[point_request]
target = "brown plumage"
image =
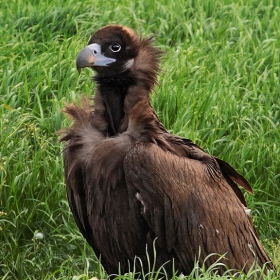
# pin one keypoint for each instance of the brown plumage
(131, 184)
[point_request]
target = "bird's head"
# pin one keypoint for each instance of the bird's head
(112, 49)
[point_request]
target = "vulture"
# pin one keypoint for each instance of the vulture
(141, 196)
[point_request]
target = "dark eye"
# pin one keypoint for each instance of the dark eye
(115, 47)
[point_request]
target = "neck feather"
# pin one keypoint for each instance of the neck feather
(146, 65)
(113, 91)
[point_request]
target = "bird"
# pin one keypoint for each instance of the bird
(140, 195)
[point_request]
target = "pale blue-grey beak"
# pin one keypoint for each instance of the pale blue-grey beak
(91, 56)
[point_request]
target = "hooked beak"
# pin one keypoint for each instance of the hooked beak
(91, 56)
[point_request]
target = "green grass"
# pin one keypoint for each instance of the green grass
(219, 86)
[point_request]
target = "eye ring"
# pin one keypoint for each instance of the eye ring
(115, 47)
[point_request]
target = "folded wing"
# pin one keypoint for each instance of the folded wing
(192, 208)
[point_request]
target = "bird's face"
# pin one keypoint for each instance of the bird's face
(110, 50)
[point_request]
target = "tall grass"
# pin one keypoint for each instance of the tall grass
(219, 87)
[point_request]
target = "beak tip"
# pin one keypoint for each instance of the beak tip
(84, 59)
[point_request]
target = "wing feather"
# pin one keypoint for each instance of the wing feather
(191, 207)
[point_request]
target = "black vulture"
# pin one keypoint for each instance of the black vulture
(133, 187)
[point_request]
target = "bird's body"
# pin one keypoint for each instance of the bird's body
(133, 187)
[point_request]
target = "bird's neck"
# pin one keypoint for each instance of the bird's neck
(113, 91)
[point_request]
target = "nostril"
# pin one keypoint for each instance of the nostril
(95, 49)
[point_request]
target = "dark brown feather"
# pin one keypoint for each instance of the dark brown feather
(131, 185)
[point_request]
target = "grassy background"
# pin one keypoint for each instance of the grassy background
(219, 87)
